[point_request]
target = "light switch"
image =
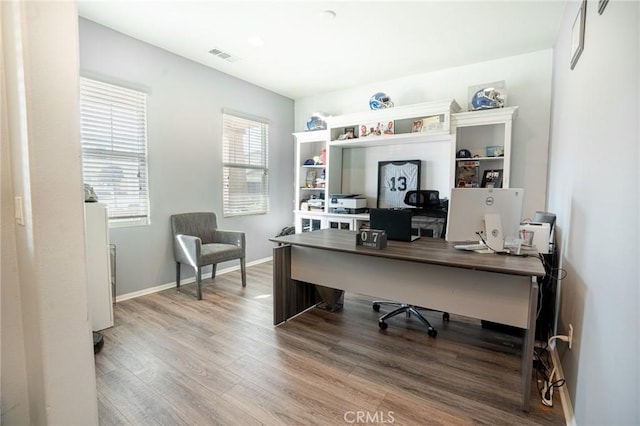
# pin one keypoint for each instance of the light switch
(19, 211)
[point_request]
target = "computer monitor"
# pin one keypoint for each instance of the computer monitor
(468, 208)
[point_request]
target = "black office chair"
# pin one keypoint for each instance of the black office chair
(408, 309)
(429, 204)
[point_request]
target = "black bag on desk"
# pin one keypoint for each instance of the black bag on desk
(287, 230)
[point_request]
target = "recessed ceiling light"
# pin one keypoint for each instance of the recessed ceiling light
(256, 41)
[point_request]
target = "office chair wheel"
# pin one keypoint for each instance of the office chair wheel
(376, 307)
(445, 316)
(432, 332)
(383, 325)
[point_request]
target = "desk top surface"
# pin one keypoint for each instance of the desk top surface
(425, 250)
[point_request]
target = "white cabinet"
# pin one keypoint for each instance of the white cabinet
(309, 221)
(313, 221)
(481, 132)
(98, 266)
(349, 222)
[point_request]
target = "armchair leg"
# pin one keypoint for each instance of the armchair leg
(178, 276)
(199, 282)
(243, 271)
(213, 270)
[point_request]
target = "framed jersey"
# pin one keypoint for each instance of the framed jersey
(395, 178)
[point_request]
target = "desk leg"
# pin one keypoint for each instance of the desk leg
(290, 297)
(527, 346)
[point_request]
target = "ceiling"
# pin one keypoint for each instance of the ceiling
(305, 52)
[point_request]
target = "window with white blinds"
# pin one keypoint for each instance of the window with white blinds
(113, 126)
(245, 165)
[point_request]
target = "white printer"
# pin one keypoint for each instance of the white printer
(542, 236)
(347, 203)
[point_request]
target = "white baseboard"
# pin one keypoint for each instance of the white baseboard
(162, 287)
(567, 407)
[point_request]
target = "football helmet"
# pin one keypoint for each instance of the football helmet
(380, 100)
(317, 121)
(487, 98)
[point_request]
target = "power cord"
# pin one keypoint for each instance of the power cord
(547, 381)
(542, 364)
(479, 234)
(551, 271)
(546, 394)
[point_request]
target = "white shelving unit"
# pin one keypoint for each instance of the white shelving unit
(474, 131)
(309, 144)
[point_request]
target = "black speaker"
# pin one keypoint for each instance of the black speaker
(425, 199)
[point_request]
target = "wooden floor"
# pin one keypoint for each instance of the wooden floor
(173, 360)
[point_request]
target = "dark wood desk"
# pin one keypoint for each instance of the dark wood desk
(427, 272)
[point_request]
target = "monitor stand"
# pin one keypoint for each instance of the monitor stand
(493, 234)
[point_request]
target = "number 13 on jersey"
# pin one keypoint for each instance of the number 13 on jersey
(395, 178)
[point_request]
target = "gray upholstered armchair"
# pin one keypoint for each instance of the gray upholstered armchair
(198, 242)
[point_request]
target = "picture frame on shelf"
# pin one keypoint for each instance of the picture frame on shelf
(429, 124)
(577, 34)
(377, 128)
(395, 178)
(467, 173)
(492, 178)
(310, 180)
(433, 123)
(350, 132)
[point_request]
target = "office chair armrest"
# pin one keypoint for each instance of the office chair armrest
(230, 237)
(188, 249)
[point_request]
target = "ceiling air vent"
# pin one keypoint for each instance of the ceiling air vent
(223, 55)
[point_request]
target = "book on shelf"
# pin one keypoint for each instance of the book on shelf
(468, 174)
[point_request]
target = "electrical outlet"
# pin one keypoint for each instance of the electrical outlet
(570, 335)
(18, 210)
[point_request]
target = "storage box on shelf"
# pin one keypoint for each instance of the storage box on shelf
(487, 136)
(419, 123)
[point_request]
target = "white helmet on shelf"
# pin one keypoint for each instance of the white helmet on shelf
(317, 121)
(487, 98)
(380, 100)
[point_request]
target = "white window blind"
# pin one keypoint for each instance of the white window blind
(245, 165)
(113, 126)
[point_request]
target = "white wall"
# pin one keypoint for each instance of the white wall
(593, 188)
(47, 372)
(528, 81)
(14, 408)
(185, 151)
